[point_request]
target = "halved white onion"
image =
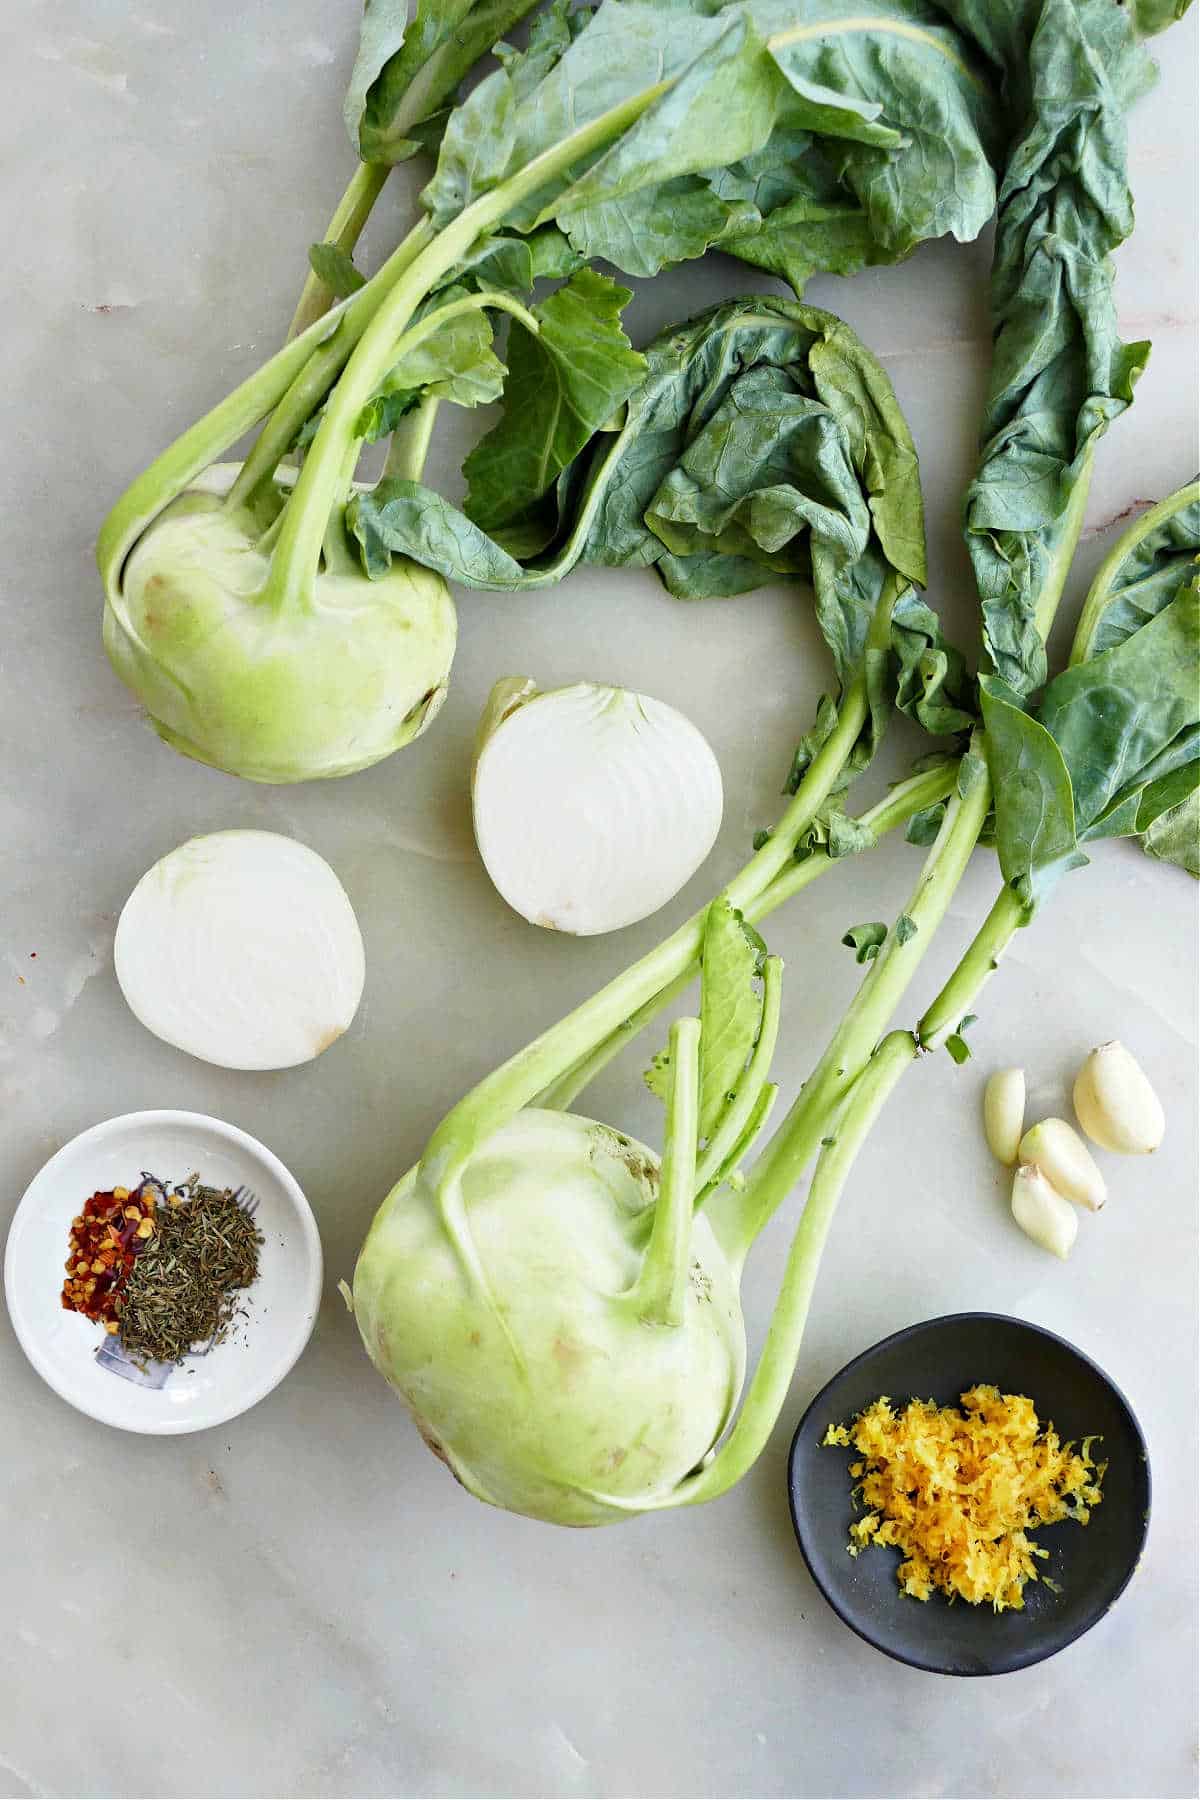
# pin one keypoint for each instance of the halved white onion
(593, 805)
(242, 949)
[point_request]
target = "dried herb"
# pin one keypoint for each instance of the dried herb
(183, 1291)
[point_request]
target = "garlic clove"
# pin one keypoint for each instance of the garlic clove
(1115, 1103)
(1066, 1162)
(1042, 1213)
(1004, 1113)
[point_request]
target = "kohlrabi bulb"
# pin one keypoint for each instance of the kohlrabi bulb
(274, 693)
(547, 1394)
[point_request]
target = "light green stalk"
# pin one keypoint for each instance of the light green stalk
(410, 442)
(329, 341)
(772, 1377)
(660, 1291)
(296, 559)
(908, 797)
(344, 231)
(795, 1141)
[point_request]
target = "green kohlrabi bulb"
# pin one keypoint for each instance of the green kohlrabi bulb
(271, 692)
(533, 1376)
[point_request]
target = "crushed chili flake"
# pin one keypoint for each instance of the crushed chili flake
(107, 1236)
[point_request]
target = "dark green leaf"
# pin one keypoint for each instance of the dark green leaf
(960, 1050)
(848, 836)
(380, 35)
(336, 269)
(1035, 808)
(1117, 717)
(865, 940)
(563, 385)
(402, 518)
(1060, 372)
(415, 72)
(907, 928)
(924, 826)
(1175, 835)
(1157, 556)
(971, 771)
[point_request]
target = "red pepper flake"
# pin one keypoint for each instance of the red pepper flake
(107, 1236)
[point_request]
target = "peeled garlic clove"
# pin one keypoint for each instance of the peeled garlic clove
(593, 805)
(1115, 1103)
(1042, 1213)
(1066, 1162)
(1004, 1113)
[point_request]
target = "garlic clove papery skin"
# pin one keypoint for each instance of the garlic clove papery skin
(242, 949)
(593, 805)
(1004, 1113)
(1115, 1103)
(1066, 1162)
(1042, 1213)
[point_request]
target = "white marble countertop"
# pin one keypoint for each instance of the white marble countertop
(302, 1602)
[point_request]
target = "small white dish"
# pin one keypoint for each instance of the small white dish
(208, 1388)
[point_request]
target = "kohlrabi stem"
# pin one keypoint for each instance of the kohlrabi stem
(331, 339)
(544, 1062)
(781, 1164)
(908, 797)
(295, 560)
(1098, 593)
(824, 769)
(336, 554)
(740, 1109)
(1007, 916)
(783, 1161)
(753, 1128)
(314, 380)
(659, 1294)
(410, 442)
(343, 230)
(558, 1095)
(777, 1365)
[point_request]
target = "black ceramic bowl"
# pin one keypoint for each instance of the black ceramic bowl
(1091, 1564)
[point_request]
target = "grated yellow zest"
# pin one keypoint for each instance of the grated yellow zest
(960, 1491)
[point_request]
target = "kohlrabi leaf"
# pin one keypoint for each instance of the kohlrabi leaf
(1175, 835)
(658, 1076)
(711, 92)
(1129, 717)
(1060, 372)
(906, 106)
(847, 836)
(1151, 16)
(1148, 566)
(924, 826)
(456, 362)
(515, 263)
(405, 72)
(730, 1008)
(380, 36)
(866, 941)
(335, 267)
(562, 386)
(402, 518)
(1035, 805)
